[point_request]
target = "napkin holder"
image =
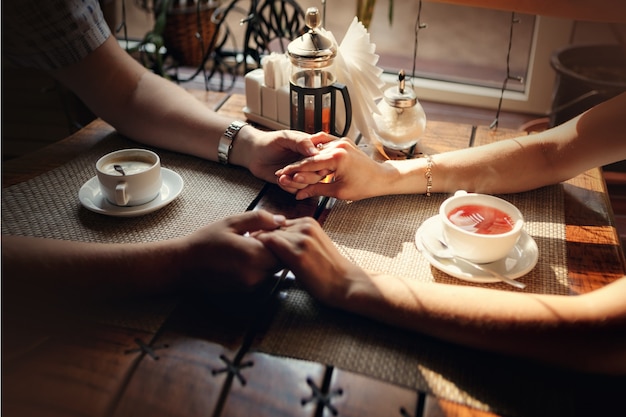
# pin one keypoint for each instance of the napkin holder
(266, 105)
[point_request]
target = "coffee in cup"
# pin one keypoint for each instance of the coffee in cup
(129, 177)
(479, 227)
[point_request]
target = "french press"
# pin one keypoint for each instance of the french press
(313, 84)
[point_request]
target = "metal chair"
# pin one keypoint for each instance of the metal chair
(268, 26)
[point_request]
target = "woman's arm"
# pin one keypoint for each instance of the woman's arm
(586, 332)
(592, 139)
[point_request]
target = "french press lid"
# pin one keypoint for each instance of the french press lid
(312, 49)
(399, 96)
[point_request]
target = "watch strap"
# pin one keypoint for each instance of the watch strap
(225, 144)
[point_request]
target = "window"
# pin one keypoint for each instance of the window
(462, 53)
(461, 56)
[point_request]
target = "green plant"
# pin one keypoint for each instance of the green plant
(154, 38)
(365, 11)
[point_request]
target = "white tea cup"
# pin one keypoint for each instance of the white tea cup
(479, 227)
(129, 177)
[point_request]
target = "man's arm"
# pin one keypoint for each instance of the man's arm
(158, 112)
(215, 258)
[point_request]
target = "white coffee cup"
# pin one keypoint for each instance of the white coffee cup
(129, 177)
(480, 241)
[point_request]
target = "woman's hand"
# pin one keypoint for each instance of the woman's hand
(308, 252)
(355, 175)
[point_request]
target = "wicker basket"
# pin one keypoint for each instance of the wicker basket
(184, 24)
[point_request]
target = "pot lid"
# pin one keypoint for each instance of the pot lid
(399, 96)
(312, 48)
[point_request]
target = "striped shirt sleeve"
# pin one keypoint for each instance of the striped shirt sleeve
(51, 34)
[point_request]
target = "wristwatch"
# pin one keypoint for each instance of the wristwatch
(226, 141)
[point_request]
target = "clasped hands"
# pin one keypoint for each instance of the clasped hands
(242, 251)
(355, 175)
(256, 244)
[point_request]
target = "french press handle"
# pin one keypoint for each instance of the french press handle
(348, 105)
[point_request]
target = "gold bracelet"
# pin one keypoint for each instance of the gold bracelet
(225, 144)
(428, 174)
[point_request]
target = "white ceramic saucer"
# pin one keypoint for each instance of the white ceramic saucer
(92, 199)
(520, 261)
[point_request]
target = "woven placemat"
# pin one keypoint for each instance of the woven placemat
(48, 206)
(379, 234)
(384, 237)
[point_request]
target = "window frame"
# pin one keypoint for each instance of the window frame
(549, 35)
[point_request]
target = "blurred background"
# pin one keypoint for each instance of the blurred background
(460, 61)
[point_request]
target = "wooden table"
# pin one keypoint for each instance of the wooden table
(199, 367)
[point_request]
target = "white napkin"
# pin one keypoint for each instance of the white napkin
(355, 66)
(276, 68)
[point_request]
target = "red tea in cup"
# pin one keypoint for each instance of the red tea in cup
(480, 227)
(481, 219)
